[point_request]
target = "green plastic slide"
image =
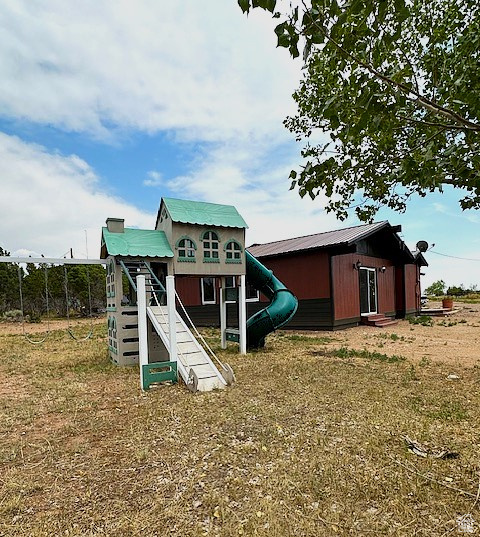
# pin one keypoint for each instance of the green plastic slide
(282, 307)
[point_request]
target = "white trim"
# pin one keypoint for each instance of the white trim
(223, 313)
(172, 318)
(214, 301)
(242, 316)
(374, 270)
(142, 325)
(233, 287)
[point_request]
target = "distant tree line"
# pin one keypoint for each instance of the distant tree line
(439, 288)
(53, 284)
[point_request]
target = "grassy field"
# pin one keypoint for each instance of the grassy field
(308, 442)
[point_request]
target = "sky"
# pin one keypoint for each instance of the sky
(106, 106)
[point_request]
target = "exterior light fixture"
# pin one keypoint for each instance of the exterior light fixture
(383, 269)
(357, 265)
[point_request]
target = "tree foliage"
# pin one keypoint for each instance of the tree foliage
(393, 86)
(52, 284)
(436, 289)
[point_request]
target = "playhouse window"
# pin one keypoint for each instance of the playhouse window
(186, 249)
(208, 291)
(233, 252)
(210, 245)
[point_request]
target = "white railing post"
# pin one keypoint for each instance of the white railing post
(172, 318)
(223, 315)
(242, 315)
(142, 326)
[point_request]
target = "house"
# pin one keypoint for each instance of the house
(339, 277)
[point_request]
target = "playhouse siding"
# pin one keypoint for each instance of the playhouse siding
(346, 291)
(195, 233)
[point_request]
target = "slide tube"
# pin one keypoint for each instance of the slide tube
(282, 307)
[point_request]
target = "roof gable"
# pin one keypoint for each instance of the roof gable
(135, 242)
(202, 213)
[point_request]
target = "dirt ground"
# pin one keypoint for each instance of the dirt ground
(453, 339)
(310, 441)
(16, 328)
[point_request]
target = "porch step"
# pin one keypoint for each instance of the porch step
(378, 320)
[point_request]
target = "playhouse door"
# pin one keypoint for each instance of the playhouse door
(368, 291)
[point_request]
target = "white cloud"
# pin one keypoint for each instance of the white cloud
(154, 179)
(48, 201)
(256, 182)
(200, 68)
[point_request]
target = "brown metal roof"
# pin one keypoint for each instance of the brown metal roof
(338, 237)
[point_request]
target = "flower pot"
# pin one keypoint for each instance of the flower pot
(447, 303)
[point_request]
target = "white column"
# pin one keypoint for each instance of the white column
(242, 315)
(142, 326)
(172, 318)
(223, 314)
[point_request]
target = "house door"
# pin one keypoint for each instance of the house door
(368, 290)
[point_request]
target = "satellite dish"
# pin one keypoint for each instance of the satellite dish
(422, 246)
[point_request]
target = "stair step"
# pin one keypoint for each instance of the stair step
(378, 320)
(387, 322)
(374, 317)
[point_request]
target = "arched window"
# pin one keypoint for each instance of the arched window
(186, 249)
(210, 247)
(233, 252)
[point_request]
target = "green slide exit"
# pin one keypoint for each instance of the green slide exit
(282, 307)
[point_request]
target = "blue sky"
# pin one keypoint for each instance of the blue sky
(107, 106)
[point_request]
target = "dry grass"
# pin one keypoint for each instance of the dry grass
(309, 442)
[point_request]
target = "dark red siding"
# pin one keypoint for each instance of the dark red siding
(188, 290)
(346, 292)
(412, 289)
(306, 274)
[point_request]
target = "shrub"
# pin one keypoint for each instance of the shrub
(13, 315)
(424, 320)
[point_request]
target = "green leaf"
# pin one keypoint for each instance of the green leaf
(244, 5)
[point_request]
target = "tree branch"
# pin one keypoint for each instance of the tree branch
(421, 100)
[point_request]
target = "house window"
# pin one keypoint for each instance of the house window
(208, 290)
(230, 283)
(233, 252)
(251, 294)
(186, 249)
(210, 247)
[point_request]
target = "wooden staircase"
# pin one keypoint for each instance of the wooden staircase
(379, 320)
(194, 365)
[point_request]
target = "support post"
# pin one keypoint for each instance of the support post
(172, 318)
(242, 315)
(142, 326)
(223, 314)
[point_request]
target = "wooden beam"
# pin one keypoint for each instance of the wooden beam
(52, 260)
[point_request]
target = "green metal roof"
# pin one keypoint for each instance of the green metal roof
(137, 242)
(203, 213)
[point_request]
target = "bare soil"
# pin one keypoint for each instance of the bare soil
(453, 339)
(310, 440)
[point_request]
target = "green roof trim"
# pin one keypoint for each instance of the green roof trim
(203, 213)
(137, 242)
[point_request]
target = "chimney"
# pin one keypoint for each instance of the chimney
(115, 225)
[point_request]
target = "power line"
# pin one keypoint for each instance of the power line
(453, 256)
